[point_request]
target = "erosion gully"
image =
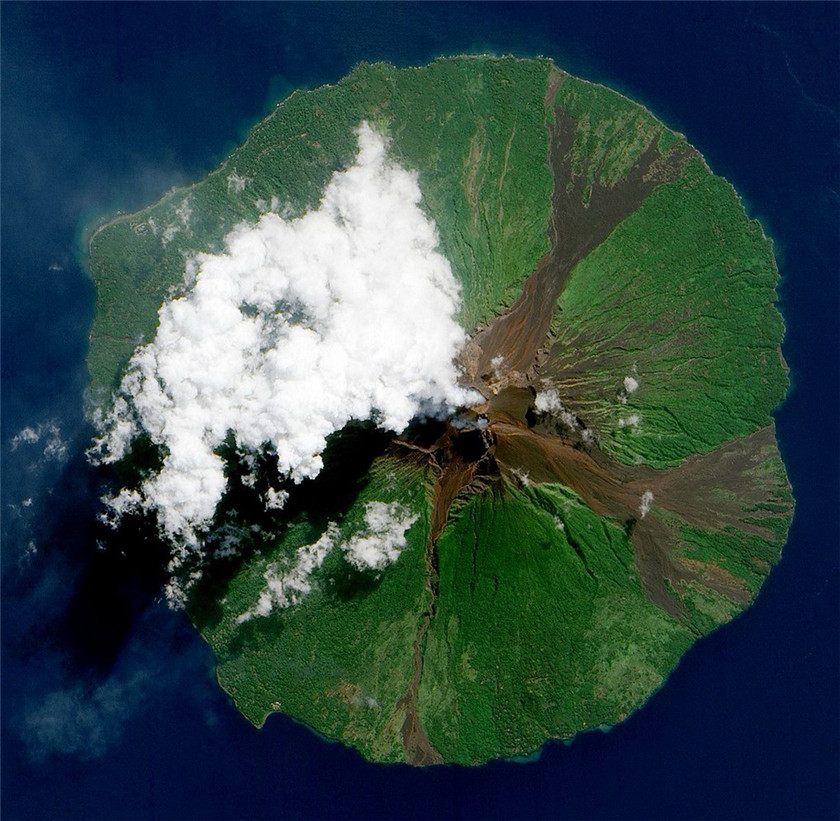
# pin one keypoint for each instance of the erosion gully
(501, 442)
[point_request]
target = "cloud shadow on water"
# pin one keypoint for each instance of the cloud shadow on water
(88, 644)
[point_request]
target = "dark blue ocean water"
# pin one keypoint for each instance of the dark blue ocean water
(109, 709)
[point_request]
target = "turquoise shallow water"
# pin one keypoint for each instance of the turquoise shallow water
(109, 709)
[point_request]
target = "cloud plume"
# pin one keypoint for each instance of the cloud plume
(549, 402)
(74, 722)
(383, 537)
(378, 544)
(347, 312)
(48, 433)
(285, 588)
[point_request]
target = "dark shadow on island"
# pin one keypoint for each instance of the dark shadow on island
(316, 502)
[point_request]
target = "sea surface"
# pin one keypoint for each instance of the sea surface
(109, 706)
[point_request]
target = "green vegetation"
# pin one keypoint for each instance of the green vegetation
(534, 616)
(475, 130)
(341, 658)
(541, 628)
(482, 118)
(678, 298)
(611, 132)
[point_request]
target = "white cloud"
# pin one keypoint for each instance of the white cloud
(184, 212)
(549, 402)
(66, 714)
(126, 501)
(468, 421)
(646, 502)
(378, 544)
(27, 436)
(284, 589)
(523, 476)
(275, 499)
(631, 421)
(629, 385)
(382, 539)
(48, 433)
(236, 183)
(74, 721)
(496, 364)
(347, 312)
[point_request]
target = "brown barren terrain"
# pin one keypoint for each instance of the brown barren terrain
(500, 442)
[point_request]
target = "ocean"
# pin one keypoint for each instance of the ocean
(109, 706)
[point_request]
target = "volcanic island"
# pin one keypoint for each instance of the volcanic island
(612, 492)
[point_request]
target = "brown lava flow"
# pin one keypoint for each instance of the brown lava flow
(463, 463)
(497, 439)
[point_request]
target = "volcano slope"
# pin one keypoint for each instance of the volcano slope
(615, 493)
